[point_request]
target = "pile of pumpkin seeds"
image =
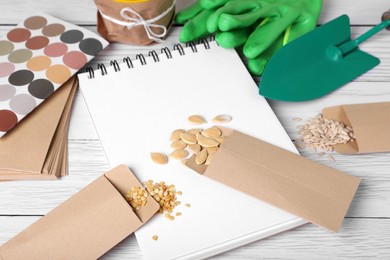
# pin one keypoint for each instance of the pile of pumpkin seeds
(203, 143)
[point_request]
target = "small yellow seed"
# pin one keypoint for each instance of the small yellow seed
(178, 214)
(155, 237)
(188, 205)
(196, 120)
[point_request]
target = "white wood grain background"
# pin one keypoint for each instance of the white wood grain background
(365, 233)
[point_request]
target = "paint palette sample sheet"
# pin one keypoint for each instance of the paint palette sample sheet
(36, 58)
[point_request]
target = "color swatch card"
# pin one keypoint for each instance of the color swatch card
(36, 58)
(145, 102)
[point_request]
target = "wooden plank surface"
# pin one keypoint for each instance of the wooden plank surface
(363, 238)
(83, 12)
(366, 230)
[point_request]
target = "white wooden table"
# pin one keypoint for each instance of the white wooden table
(365, 233)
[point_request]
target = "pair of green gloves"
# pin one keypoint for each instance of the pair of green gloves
(262, 27)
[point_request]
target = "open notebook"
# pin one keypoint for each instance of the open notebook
(136, 105)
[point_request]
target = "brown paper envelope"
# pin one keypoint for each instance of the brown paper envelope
(60, 138)
(310, 190)
(39, 141)
(370, 123)
(25, 148)
(85, 226)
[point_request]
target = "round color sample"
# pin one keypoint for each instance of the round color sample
(90, 46)
(41, 88)
(75, 59)
(53, 29)
(6, 69)
(21, 77)
(18, 35)
(8, 119)
(20, 56)
(58, 73)
(7, 92)
(6, 47)
(22, 104)
(56, 49)
(37, 42)
(72, 36)
(35, 22)
(39, 63)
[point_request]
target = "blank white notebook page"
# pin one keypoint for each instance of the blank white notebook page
(135, 110)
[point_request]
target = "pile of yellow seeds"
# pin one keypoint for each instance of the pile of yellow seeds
(164, 194)
(137, 197)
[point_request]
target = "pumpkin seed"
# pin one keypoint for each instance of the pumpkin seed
(212, 132)
(159, 158)
(175, 136)
(212, 150)
(196, 120)
(180, 144)
(201, 157)
(179, 154)
(206, 141)
(188, 138)
(209, 159)
(195, 148)
(222, 119)
(194, 131)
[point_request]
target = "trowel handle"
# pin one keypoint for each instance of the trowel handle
(351, 45)
(386, 16)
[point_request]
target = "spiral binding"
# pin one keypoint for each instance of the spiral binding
(168, 52)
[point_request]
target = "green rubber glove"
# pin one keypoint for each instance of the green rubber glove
(263, 26)
(279, 22)
(195, 19)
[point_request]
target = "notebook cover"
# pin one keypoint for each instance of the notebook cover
(135, 111)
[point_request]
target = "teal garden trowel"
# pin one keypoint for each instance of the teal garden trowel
(319, 62)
